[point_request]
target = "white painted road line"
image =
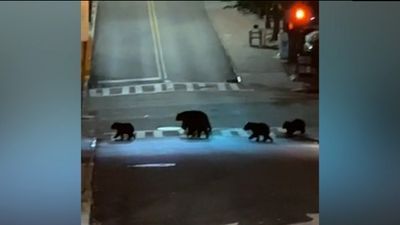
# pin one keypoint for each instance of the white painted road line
(125, 90)
(152, 165)
(153, 34)
(129, 80)
(93, 92)
(106, 91)
(189, 87)
(138, 89)
(157, 88)
(158, 134)
(170, 86)
(221, 86)
(140, 134)
(234, 87)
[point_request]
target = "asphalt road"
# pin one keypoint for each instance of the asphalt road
(143, 41)
(220, 181)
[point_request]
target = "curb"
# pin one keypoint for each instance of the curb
(87, 194)
(275, 132)
(93, 15)
(234, 69)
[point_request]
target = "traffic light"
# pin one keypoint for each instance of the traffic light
(299, 15)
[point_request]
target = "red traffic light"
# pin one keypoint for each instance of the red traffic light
(299, 14)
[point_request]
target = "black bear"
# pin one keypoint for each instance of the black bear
(293, 126)
(194, 123)
(122, 129)
(258, 129)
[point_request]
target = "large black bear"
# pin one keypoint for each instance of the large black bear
(122, 129)
(258, 129)
(293, 126)
(195, 123)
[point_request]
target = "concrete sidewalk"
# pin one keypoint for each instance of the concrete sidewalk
(254, 65)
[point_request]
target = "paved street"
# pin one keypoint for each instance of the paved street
(150, 41)
(220, 181)
(155, 59)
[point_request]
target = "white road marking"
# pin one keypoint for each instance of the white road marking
(189, 87)
(106, 91)
(153, 34)
(158, 134)
(169, 128)
(93, 92)
(234, 87)
(221, 86)
(314, 221)
(225, 132)
(140, 134)
(158, 39)
(129, 80)
(125, 90)
(236, 223)
(157, 88)
(138, 89)
(152, 165)
(170, 86)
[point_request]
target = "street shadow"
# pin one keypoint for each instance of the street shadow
(201, 139)
(298, 137)
(121, 141)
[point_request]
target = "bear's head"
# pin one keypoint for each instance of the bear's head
(248, 126)
(286, 125)
(115, 126)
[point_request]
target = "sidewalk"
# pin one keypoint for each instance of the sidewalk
(254, 65)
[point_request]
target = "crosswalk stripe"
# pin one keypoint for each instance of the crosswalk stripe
(125, 90)
(157, 88)
(138, 89)
(276, 133)
(158, 134)
(106, 91)
(221, 86)
(234, 87)
(169, 86)
(189, 87)
(92, 92)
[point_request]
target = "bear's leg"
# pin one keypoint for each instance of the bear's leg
(265, 137)
(131, 135)
(207, 134)
(258, 138)
(198, 132)
(303, 130)
(190, 132)
(117, 134)
(252, 136)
